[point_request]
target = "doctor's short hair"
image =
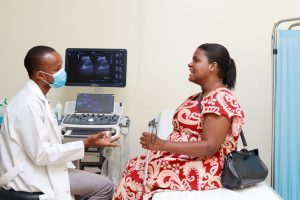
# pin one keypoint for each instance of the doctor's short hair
(34, 58)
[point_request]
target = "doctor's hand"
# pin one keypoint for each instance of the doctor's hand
(151, 141)
(100, 140)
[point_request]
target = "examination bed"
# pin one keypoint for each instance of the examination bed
(257, 192)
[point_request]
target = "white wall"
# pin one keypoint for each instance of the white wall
(63, 24)
(160, 37)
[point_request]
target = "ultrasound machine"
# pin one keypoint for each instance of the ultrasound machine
(95, 112)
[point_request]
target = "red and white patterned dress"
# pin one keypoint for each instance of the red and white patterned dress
(169, 171)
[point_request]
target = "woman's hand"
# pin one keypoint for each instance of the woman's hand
(151, 141)
(100, 140)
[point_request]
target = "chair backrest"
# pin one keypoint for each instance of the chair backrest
(164, 123)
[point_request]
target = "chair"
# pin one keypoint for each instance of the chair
(16, 195)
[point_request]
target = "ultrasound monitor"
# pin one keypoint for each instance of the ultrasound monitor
(94, 103)
(96, 67)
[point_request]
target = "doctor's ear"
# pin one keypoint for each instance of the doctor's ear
(38, 75)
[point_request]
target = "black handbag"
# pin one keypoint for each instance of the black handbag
(243, 168)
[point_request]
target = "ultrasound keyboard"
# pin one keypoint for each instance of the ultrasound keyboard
(91, 119)
(87, 132)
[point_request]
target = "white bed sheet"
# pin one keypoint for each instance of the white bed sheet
(261, 191)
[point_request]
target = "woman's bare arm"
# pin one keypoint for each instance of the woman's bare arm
(215, 129)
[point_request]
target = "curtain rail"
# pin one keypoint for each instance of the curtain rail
(294, 25)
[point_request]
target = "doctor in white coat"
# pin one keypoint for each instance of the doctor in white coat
(32, 156)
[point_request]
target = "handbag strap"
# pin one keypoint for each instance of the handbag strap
(243, 139)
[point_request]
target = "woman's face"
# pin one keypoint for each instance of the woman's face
(199, 67)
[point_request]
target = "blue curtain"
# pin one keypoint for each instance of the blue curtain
(287, 116)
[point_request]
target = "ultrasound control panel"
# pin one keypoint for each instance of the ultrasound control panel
(91, 119)
(82, 133)
(93, 113)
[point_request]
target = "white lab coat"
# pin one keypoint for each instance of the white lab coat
(32, 156)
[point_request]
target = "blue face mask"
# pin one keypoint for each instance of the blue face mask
(59, 77)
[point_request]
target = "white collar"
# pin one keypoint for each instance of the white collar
(36, 89)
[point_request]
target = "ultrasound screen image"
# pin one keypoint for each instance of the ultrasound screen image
(96, 67)
(85, 67)
(90, 66)
(102, 67)
(94, 103)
